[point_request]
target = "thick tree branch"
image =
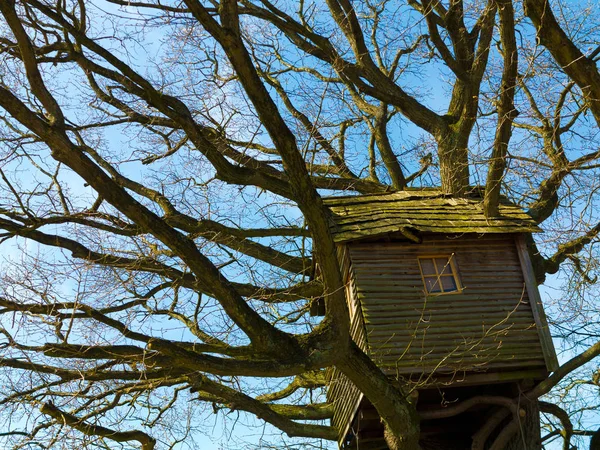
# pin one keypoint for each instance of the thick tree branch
(306, 380)
(63, 150)
(229, 37)
(545, 386)
(567, 250)
(380, 133)
(581, 69)
(563, 416)
(277, 415)
(506, 109)
(62, 417)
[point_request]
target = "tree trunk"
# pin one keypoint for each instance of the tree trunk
(528, 436)
(398, 416)
(397, 442)
(454, 163)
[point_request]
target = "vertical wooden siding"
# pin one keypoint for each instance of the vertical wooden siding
(489, 326)
(345, 396)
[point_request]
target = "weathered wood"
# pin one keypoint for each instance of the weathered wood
(463, 366)
(340, 236)
(404, 340)
(414, 194)
(438, 321)
(463, 359)
(450, 214)
(536, 305)
(489, 325)
(342, 393)
(345, 398)
(478, 378)
(361, 217)
(489, 332)
(450, 308)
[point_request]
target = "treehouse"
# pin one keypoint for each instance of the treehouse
(444, 300)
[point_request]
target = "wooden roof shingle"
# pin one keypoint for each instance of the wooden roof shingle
(427, 210)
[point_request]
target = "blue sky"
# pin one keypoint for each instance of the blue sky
(243, 207)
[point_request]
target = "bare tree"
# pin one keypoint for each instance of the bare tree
(162, 166)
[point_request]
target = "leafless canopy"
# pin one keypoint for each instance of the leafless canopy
(161, 168)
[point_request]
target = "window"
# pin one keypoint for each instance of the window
(439, 274)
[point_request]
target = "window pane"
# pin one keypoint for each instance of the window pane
(449, 284)
(427, 266)
(433, 284)
(443, 265)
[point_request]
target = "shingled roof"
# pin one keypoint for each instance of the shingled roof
(424, 210)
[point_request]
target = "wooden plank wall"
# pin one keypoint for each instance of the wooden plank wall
(489, 326)
(345, 396)
(536, 305)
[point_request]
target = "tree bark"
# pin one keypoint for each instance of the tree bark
(528, 435)
(454, 162)
(506, 109)
(398, 415)
(579, 67)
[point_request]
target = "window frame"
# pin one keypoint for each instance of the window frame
(451, 263)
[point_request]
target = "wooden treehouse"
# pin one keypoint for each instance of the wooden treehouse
(444, 301)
